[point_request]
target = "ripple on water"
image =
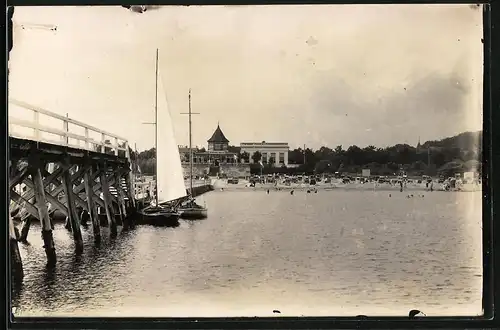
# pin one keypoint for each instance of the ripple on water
(325, 252)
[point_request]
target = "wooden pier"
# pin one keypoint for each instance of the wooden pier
(73, 174)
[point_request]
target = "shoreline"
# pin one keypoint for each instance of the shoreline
(345, 187)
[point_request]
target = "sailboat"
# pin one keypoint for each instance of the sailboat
(189, 209)
(169, 183)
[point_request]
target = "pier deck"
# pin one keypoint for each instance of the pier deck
(78, 176)
(73, 174)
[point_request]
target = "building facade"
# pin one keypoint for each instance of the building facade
(277, 151)
(218, 142)
(217, 152)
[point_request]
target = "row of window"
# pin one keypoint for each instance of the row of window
(266, 157)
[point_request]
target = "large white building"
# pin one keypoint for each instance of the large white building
(276, 150)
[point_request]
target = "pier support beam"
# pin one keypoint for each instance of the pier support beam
(107, 202)
(43, 215)
(130, 188)
(73, 216)
(15, 256)
(117, 211)
(132, 208)
(89, 191)
(25, 230)
(121, 199)
(16, 262)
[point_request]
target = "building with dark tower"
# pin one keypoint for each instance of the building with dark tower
(216, 153)
(218, 142)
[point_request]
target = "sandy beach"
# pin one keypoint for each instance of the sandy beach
(336, 185)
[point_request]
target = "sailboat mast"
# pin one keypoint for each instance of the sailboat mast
(190, 149)
(190, 144)
(156, 127)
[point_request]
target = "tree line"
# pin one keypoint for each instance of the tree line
(445, 157)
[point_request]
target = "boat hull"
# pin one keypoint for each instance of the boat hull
(193, 213)
(158, 217)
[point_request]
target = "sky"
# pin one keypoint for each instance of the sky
(315, 75)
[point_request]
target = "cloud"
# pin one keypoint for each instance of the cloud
(301, 74)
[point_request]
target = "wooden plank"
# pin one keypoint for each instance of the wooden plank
(62, 118)
(121, 196)
(77, 176)
(46, 182)
(98, 200)
(81, 202)
(81, 187)
(73, 215)
(61, 133)
(51, 199)
(96, 187)
(114, 198)
(23, 237)
(107, 204)
(91, 205)
(18, 178)
(121, 200)
(41, 202)
(41, 128)
(48, 240)
(32, 210)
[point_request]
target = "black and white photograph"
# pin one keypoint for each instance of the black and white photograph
(246, 161)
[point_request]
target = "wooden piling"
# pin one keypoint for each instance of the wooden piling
(121, 199)
(107, 202)
(16, 263)
(131, 199)
(117, 211)
(43, 215)
(74, 217)
(67, 223)
(23, 237)
(94, 215)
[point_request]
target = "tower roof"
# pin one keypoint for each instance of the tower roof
(218, 136)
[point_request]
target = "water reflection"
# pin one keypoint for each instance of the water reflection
(317, 254)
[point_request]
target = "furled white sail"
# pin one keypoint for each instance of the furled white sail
(169, 176)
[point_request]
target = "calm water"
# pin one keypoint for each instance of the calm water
(332, 253)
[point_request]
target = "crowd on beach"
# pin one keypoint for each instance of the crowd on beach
(312, 183)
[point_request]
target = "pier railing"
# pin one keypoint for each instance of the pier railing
(108, 143)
